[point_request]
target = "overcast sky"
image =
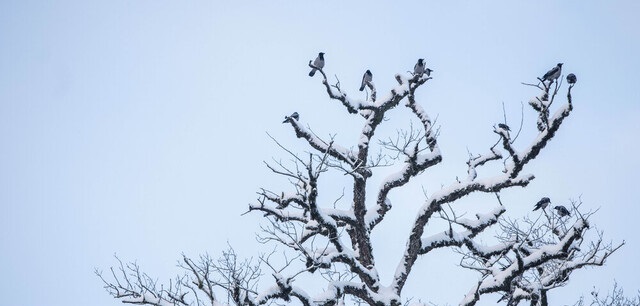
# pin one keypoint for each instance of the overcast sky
(138, 127)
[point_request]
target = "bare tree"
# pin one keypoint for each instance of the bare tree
(334, 246)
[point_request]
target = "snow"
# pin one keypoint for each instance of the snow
(264, 294)
(372, 214)
(364, 141)
(396, 176)
(535, 101)
(518, 292)
(500, 277)
(482, 219)
(146, 297)
(421, 159)
(442, 237)
(386, 295)
(490, 249)
(339, 213)
(301, 292)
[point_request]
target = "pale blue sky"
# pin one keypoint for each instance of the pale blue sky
(137, 127)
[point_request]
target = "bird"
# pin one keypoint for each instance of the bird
(553, 74)
(419, 67)
(562, 211)
(293, 116)
(542, 204)
(366, 78)
(504, 127)
(318, 63)
(571, 79)
(428, 71)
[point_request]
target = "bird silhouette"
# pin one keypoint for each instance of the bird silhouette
(504, 126)
(366, 78)
(318, 63)
(553, 74)
(542, 204)
(571, 79)
(294, 116)
(562, 211)
(418, 68)
(428, 71)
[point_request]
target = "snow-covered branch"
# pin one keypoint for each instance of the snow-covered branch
(472, 227)
(331, 242)
(547, 130)
(496, 183)
(540, 257)
(323, 147)
(415, 163)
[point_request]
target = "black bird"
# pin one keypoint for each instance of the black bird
(553, 74)
(419, 67)
(428, 71)
(562, 211)
(294, 116)
(504, 127)
(571, 79)
(542, 204)
(366, 78)
(319, 63)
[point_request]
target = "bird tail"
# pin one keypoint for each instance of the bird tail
(362, 87)
(312, 72)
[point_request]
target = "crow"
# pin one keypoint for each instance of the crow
(542, 204)
(293, 116)
(366, 78)
(318, 63)
(553, 74)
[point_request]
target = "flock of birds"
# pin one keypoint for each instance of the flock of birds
(560, 210)
(554, 74)
(419, 69)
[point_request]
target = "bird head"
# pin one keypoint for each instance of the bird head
(560, 64)
(368, 71)
(321, 54)
(421, 60)
(430, 70)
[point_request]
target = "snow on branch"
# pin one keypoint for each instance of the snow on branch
(539, 257)
(415, 162)
(547, 127)
(320, 145)
(336, 93)
(473, 184)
